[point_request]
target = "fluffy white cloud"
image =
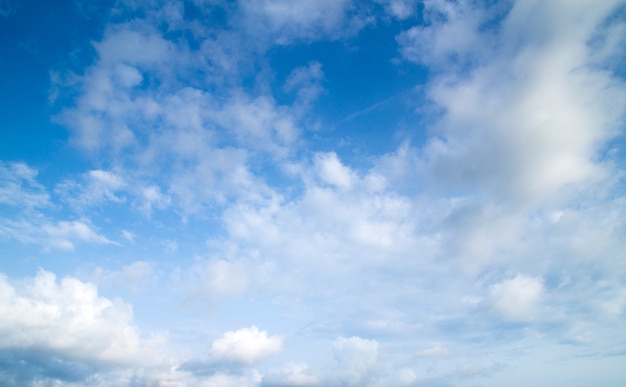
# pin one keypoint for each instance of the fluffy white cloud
(509, 180)
(530, 119)
(517, 298)
(246, 345)
(332, 171)
(67, 319)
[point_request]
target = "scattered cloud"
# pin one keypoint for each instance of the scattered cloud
(517, 298)
(64, 235)
(281, 21)
(492, 235)
(19, 187)
(134, 277)
(356, 359)
(67, 322)
(293, 374)
(246, 345)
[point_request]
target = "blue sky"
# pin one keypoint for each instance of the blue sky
(313, 193)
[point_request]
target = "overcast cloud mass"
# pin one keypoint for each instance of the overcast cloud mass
(313, 193)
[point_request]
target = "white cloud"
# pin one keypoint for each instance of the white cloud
(140, 46)
(64, 234)
(292, 374)
(19, 188)
(128, 235)
(133, 277)
(356, 358)
(332, 171)
(67, 319)
(437, 350)
(97, 187)
(259, 123)
(246, 345)
(283, 21)
(305, 82)
(225, 380)
(450, 34)
(222, 277)
(401, 9)
(530, 119)
(517, 298)
(524, 119)
(151, 197)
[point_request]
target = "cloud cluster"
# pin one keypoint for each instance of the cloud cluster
(498, 228)
(64, 326)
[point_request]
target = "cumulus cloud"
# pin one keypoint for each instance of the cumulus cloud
(332, 171)
(514, 176)
(535, 103)
(517, 298)
(68, 321)
(173, 127)
(246, 345)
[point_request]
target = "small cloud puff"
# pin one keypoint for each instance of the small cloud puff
(246, 345)
(331, 171)
(517, 298)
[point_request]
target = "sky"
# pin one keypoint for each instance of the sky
(312, 193)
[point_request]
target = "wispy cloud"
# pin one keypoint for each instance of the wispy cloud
(256, 251)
